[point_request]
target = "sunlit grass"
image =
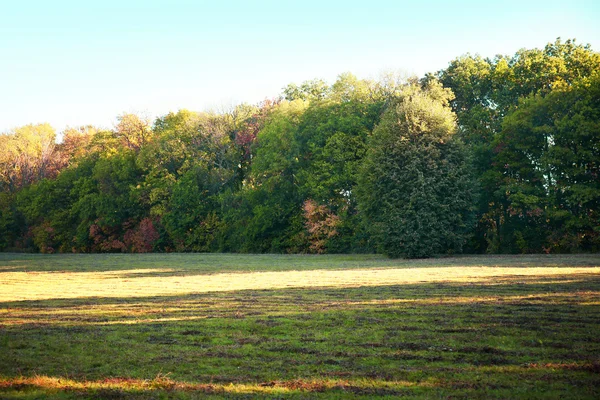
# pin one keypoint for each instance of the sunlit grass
(162, 282)
(299, 326)
(164, 383)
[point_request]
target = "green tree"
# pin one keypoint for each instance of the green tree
(11, 225)
(188, 150)
(487, 91)
(191, 221)
(547, 172)
(265, 215)
(333, 140)
(414, 189)
(106, 204)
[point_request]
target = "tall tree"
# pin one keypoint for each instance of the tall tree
(76, 143)
(414, 188)
(315, 89)
(266, 214)
(333, 137)
(547, 172)
(487, 91)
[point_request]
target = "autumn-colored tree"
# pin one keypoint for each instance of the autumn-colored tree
(76, 143)
(27, 154)
(133, 131)
(142, 238)
(321, 225)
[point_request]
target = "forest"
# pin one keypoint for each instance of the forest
(489, 155)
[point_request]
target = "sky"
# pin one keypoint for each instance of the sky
(73, 63)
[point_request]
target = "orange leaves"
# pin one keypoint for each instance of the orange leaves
(321, 224)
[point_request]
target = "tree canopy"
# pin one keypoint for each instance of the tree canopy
(495, 155)
(415, 188)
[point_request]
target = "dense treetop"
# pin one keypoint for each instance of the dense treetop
(487, 155)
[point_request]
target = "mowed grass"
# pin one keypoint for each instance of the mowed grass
(274, 326)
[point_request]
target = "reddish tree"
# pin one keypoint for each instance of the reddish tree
(142, 238)
(321, 224)
(105, 239)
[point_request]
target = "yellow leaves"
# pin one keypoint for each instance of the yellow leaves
(293, 109)
(426, 111)
(30, 139)
(26, 155)
(133, 130)
(502, 67)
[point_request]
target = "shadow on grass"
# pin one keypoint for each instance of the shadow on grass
(529, 292)
(507, 337)
(187, 264)
(519, 293)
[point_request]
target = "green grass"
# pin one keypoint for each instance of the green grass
(167, 326)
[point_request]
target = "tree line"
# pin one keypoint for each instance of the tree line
(494, 155)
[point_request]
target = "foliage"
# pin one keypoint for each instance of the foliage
(487, 92)
(354, 166)
(142, 238)
(271, 189)
(547, 169)
(321, 225)
(190, 221)
(309, 90)
(415, 190)
(26, 156)
(132, 131)
(10, 226)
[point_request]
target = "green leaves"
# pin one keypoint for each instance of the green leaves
(414, 189)
(510, 110)
(548, 162)
(355, 166)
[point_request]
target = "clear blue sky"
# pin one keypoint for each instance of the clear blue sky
(85, 62)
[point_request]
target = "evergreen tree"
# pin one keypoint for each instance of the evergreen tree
(414, 189)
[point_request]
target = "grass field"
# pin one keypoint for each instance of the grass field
(245, 326)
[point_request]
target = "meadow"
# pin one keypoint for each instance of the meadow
(298, 326)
